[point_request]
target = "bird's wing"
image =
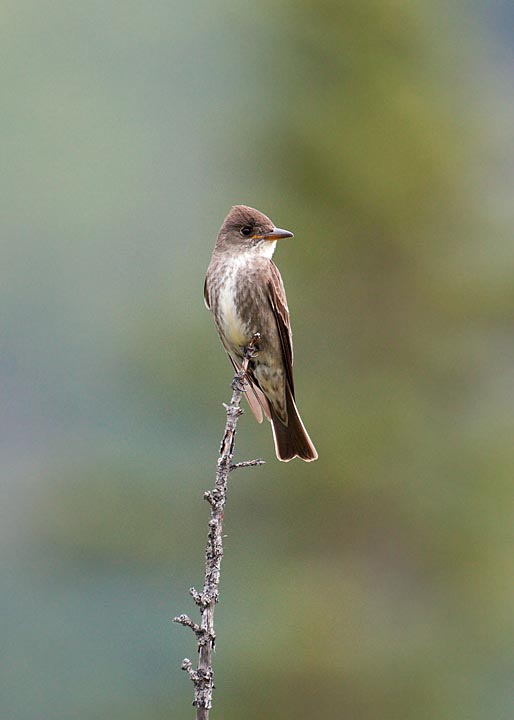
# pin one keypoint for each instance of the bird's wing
(206, 295)
(277, 298)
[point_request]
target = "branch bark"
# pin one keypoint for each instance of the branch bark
(203, 676)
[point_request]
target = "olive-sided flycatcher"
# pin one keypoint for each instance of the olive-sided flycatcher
(245, 293)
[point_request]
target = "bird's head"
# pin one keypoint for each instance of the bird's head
(248, 230)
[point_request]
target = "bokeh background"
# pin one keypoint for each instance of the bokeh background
(376, 583)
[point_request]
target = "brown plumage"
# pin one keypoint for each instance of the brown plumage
(244, 291)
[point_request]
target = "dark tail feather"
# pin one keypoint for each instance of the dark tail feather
(291, 440)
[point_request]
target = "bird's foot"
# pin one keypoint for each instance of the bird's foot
(239, 382)
(252, 349)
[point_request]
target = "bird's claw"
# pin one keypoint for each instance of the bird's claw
(252, 349)
(239, 382)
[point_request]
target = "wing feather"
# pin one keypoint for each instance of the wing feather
(206, 298)
(278, 301)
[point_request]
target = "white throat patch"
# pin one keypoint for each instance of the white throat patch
(267, 248)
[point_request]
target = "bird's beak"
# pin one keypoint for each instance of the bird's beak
(276, 234)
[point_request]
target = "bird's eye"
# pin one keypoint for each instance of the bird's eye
(246, 230)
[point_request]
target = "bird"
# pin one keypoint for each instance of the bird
(244, 291)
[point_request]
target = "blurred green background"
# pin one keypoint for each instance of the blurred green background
(376, 583)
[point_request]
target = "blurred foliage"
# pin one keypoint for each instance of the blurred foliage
(379, 581)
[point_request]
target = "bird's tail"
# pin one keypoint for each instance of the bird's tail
(291, 440)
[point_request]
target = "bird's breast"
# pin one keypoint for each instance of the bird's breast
(233, 320)
(230, 318)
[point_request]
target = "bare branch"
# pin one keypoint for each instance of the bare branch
(203, 676)
(247, 463)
